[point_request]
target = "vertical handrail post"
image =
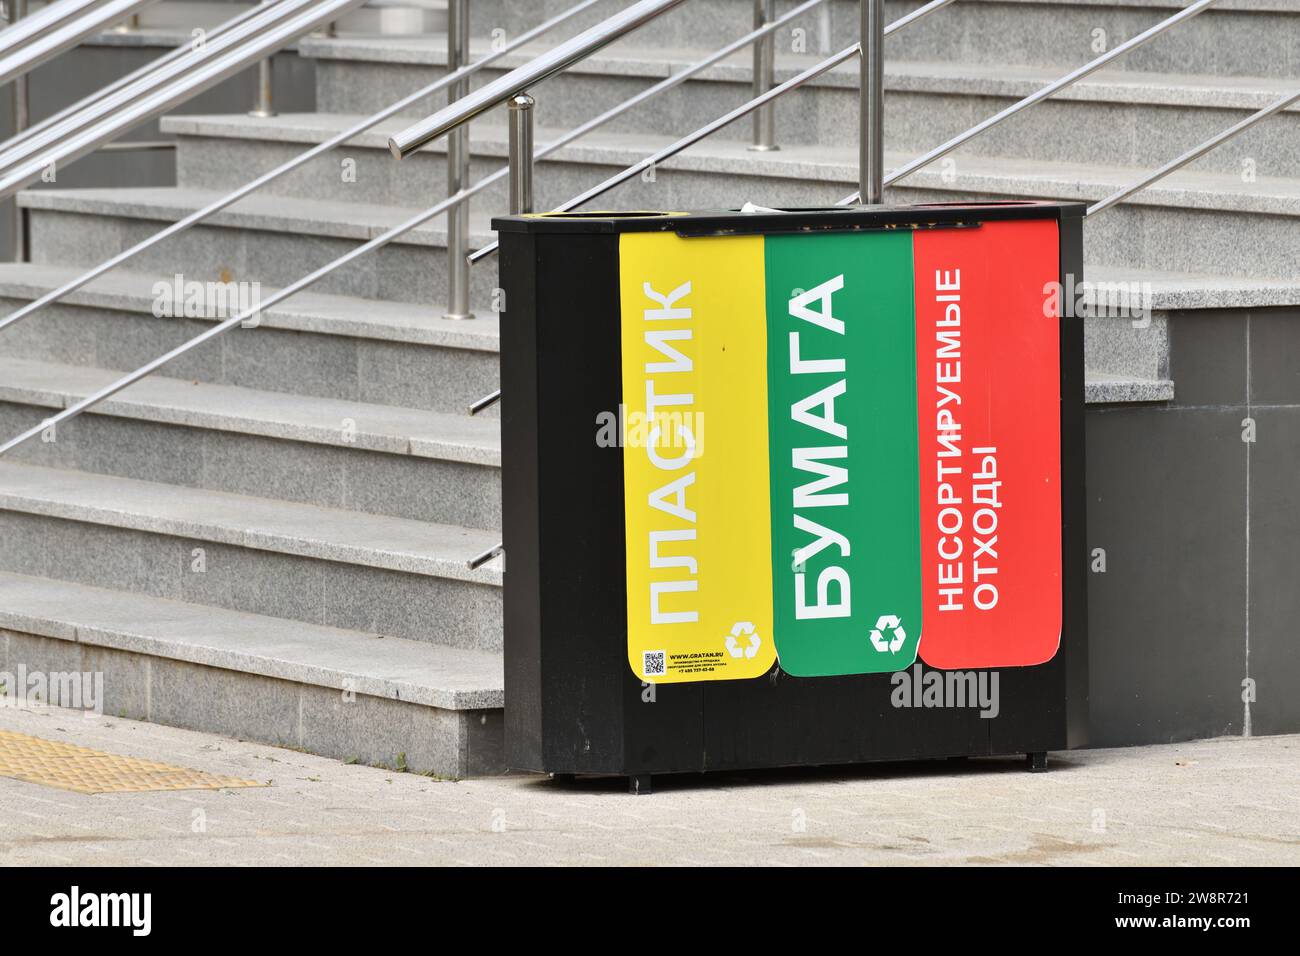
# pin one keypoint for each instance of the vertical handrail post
(458, 168)
(263, 96)
(521, 154)
(764, 77)
(22, 119)
(871, 92)
(129, 25)
(824, 40)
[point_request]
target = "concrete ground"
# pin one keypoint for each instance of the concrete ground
(1228, 801)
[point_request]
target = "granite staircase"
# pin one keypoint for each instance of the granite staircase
(270, 538)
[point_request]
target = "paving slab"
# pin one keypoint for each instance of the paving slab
(1230, 802)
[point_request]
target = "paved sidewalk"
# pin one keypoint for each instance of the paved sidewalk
(1228, 801)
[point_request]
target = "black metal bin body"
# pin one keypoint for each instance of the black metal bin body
(573, 701)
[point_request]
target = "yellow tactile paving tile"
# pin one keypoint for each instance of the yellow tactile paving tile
(69, 767)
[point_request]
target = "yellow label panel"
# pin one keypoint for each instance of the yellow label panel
(696, 490)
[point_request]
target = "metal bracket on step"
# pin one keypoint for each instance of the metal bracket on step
(487, 401)
(479, 560)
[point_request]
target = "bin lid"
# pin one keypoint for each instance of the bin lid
(735, 222)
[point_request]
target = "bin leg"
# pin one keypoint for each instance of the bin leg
(1036, 761)
(638, 783)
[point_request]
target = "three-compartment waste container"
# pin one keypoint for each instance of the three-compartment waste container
(792, 487)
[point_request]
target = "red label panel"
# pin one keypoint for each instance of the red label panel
(989, 411)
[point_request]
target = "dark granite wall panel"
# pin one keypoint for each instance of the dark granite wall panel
(1201, 532)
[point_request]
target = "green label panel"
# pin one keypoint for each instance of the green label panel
(846, 568)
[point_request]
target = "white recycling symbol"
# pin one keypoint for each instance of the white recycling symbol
(888, 622)
(735, 648)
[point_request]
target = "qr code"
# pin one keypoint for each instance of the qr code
(655, 663)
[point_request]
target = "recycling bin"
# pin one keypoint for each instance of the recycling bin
(792, 487)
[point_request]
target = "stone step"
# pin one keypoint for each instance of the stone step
(1115, 115)
(706, 176)
(340, 693)
(1143, 233)
(259, 423)
(332, 346)
(376, 459)
(1112, 118)
(1146, 232)
(271, 240)
(392, 576)
(1129, 359)
(1057, 32)
(1240, 229)
(1185, 292)
(224, 152)
(345, 349)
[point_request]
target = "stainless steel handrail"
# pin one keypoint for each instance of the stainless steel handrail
(463, 106)
(1039, 95)
(267, 17)
(764, 72)
(393, 233)
(139, 145)
(36, 25)
(207, 74)
(1193, 154)
(755, 105)
(521, 185)
(310, 279)
(22, 116)
(667, 152)
(31, 54)
(871, 102)
(172, 55)
(230, 198)
(458, 164)
(547, 64)
(420, 218)
(680, 77)
(668, 83)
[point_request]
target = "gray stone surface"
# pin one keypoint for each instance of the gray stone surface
(1226, 802)
(267, 359)
(1158, 217)
(417, 607)
(126, 679)
(1173, 291)
(271, 240)
(338, 723)
(382, 732)
(1126, 116)
(241, 445)
(258, 523)
(306, 311)
(66, 615)
(380, 428)
(1136, 345)
(1102, 389)
(336, 476)
(973, 31)
(1147, 232)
